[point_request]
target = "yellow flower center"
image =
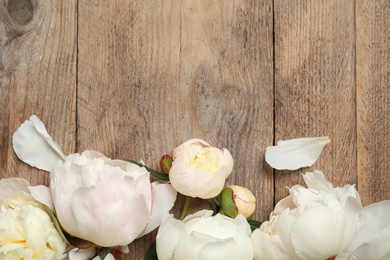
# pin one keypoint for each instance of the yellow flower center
(205, 159)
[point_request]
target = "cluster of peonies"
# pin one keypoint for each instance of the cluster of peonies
(103, 205)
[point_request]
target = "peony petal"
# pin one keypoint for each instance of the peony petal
(373, 219)
(34, 146)
(195, 182)
(13, 185)
(267, 247)
(164, 196)
(81, 254)
(318, 233)
(316, 180)
(168, 236)
(375, 248)
(120, 222)
(296, 153)
(42, 194)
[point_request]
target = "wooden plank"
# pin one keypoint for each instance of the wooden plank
(37, 76)
(153, 74)
(373, 97)
(315, 85)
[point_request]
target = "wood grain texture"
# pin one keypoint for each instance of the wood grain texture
(373, 98)
(154, 74)
(37, 76)
(315, 85)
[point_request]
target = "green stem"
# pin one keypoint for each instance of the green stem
(104, 253)
(185, 208)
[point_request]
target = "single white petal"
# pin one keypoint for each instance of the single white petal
(13, 185)
(81, 254)
(375, 248)
(316, 180)
(318, 233)
(296, 153)
(267, 247)
(42, 194)
(33, 145)
(168, 236)
(372, 220)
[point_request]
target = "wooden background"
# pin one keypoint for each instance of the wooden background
(134, 79)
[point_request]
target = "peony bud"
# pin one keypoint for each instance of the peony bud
(235, 200)
(166, 163)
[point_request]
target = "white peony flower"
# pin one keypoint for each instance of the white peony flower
(204, 237)
(26, 230)
(199, 170)
(107, 202)
(317, 222)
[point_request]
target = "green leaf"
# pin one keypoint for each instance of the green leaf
(158, 175)
(151, 254)
(55, 222)
(254, 224)
(104, 253)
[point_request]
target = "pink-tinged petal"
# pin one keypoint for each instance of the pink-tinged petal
(65, 178)
(296, 153)
(33, 145)
(164, 196)
(267, 247)
(195, 182)
(109, 208)
(81, 254)
(42, 194)
(13, 185)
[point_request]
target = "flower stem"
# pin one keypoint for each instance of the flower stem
(185, 208)
(104, 253)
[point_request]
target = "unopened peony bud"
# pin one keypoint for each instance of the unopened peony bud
(166, 163)
(235, 200)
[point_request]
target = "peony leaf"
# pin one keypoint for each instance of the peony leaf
(254, 224)
(55, 222)
(151, 254)
(158, 175)
(296, 153)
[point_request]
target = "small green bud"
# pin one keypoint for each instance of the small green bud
(166, 163)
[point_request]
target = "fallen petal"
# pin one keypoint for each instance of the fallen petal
(296, 153)
(34, 146)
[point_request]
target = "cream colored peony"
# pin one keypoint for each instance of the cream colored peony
(26, 231)
(200, 170)
(318, 222)
(204, 237)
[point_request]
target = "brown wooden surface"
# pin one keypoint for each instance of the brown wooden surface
(315, 85)
(134, 79)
